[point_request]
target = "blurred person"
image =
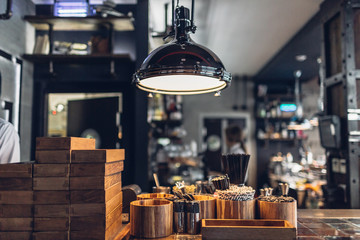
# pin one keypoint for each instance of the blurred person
(234, 140)
(9, 143)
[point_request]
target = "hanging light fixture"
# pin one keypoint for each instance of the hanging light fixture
(182, 67)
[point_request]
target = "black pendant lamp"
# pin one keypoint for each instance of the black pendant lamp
(182, 67)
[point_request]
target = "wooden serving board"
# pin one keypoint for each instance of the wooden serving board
(96, 169)
(98, 156)
(98, 182)
(16, 197)
(94, 209)
(219, 229)
(16, 224)
(51, 183)
(50, 235)
(51, 224)
(17, 170)
(95, 196)
(64, 143)
(12, 184)
(51, 210)
(16, 211)
(54, 156)
(51, 170)
(51, 197)
(15, 235)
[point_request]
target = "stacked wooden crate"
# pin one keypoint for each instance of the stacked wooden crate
(51, 185)
(95, 194)
(16, 198)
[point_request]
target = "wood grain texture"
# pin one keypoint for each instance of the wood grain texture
(154, 196)
(51, 170)
(207, 206)
(284, 211)
(60, 156)
(51, 183)
(98, 156)
(12, 184)
(51, 224)
(51, 197)
(64, 143)
(151, 218)
(227, 209)
(219, 229)
(15, 235)
(50, 236)
(18, 170)
(94, 209)
(98, 182)
(16, 224)
(95, 196)
(16, 211)
(96, 169)
(16, 197)
(51, 210)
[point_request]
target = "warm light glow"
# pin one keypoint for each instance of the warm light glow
(182, 84)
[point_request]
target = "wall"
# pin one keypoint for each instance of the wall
(17, 38)
(195, 105)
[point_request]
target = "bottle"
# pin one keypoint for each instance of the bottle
(193, 217)
(179, 216)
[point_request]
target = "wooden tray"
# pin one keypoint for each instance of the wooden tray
(98, 156)
(51, 224)
(51, 170)
(51, 197)
(16, 211)
(54, 156)
(95, 196)
(18, 170)
(15, 235)
(64, 143)
(51, 183)
(16, 224)
(248, 229)
(51, 210)
(16, 184)
(16, 197)
(98, 182)
(96, 169)
(50, 235)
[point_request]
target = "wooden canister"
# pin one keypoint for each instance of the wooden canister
(154, 196)
(228, 209)
(151, 218)
(207, 206)
(279, 210)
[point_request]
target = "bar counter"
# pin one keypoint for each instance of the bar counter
(313, 224)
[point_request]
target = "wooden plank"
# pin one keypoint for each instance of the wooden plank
(18, 170)
(16, 197)
(64, 143)
(51, 197)
(98, 156)
(51, 170)
(95, 223)
(16, 184)
(95, 196)
(16, 224)
(61, 156)
(51, 183)
(15, 236)
(83, 183)
(93, 209)
(16, 211)
(96, 169)
(50, 235)
(51, 210)
(51, 224)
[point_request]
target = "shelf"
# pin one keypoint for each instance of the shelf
(43, 58)
(90, 23)
(278, 139)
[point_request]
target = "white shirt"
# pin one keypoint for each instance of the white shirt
(236, 149)
(9, 143)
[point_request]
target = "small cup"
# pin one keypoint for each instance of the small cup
(161, 189)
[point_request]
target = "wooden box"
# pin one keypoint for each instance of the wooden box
(15, 235)
(54, 156)
(60, 224)
(11, 184)
(16, 170)
(97, 182)
(51, 197)
(95, 196)
(16, 197)
(16, 224)
(16, 211)
(227, 209)
(51, 170)
(279, 210)
(50, 235)
(98, 156)
(220, 229)
(51, 211)
(64, 143)
(96, 169)
(51, 183)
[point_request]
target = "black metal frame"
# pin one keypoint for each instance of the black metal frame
(8, 13)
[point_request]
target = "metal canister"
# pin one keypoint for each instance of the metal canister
(179, 216)
(193, 217)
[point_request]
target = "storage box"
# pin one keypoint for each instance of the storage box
(98, 156)
(64, 143)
